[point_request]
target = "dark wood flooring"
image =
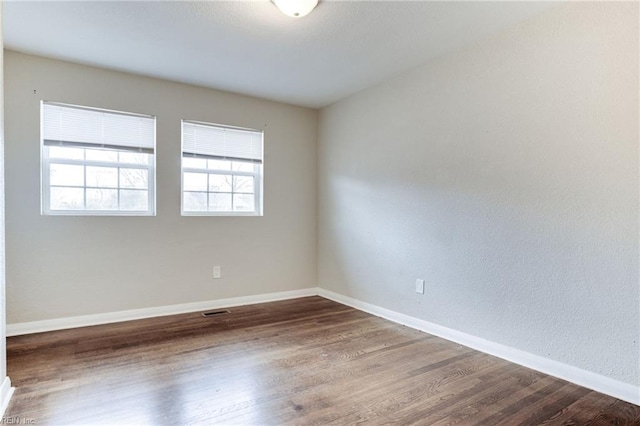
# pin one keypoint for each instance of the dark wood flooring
(307, 361)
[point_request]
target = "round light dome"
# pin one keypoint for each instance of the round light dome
(295, 8)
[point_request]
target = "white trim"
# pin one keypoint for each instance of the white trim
(17, 329)
(599, 383)
(5, 395)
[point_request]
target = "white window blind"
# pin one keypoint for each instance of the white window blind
(68, 125)
(220, 142)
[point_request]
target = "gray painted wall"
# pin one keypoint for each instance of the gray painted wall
(3, 318)
(505, 175)
(67, 266)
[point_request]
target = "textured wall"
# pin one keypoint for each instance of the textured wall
(506, 176)
(64, 266)
(3, 320)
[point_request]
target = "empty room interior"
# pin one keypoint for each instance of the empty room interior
(335, 212)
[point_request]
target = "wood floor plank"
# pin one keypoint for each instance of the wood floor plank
(307, 361)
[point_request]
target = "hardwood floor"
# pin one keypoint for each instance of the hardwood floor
(307, 361)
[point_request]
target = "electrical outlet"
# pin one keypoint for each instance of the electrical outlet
(217, 272)
(420, 286)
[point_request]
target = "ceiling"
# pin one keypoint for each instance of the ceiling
(249, 47)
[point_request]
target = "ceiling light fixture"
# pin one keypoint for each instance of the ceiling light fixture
(295, 8)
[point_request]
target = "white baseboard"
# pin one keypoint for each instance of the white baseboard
(5, 395)
(617, 389)
(17, 329)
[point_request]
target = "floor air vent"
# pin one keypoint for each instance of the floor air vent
(216, 313)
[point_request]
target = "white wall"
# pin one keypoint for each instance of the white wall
(5, 386)
(506, 175)
(66, 266)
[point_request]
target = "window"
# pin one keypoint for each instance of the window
(221, 170)
(97, 162)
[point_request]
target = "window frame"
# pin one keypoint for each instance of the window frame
(46, 161)
(258, 176)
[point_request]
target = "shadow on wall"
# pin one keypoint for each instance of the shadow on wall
(489, 259)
